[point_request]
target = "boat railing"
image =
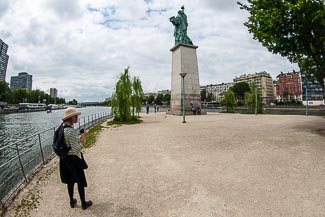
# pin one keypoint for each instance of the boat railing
(19, 161)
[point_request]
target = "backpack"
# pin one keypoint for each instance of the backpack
(59, 146)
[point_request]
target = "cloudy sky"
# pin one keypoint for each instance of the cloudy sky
(81, 46)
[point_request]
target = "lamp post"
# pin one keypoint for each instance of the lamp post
(183, 74)
(306, 99)
(256, 100)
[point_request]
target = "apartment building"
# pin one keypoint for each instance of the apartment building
(289, 86)
(217, 90)
(263, 81)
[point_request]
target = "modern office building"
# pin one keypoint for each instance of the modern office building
(3, 60)
(53, 92)
(23, 80)
(288, 87)
(263, 81)
(312, 91)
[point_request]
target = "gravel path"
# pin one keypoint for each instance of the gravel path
(214, 165)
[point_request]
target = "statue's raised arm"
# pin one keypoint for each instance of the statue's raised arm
(180, 23)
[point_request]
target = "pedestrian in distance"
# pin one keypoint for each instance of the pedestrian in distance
(147, 107)
(72, 165)
(193, 110)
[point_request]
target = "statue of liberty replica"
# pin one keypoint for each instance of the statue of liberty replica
(184, 69)
(180, 23)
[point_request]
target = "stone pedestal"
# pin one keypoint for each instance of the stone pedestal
(185, 60)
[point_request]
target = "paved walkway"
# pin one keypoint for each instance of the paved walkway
(214, 165)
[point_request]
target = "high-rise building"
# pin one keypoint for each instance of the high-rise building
(288, 86)
(23, 80)
(53, 92)
(3, 60)
(263, 81)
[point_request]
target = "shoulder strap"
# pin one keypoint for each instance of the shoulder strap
(64, 126)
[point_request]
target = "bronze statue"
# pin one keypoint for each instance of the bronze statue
(180, 23)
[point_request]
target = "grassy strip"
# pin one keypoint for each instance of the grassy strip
(92, 136)
(134, 120)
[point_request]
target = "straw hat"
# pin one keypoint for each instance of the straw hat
(70, 112)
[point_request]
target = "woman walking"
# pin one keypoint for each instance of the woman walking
(71, 165)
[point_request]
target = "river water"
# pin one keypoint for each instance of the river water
(16, 126)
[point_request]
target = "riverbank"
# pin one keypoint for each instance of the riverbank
(8, 110)
(214, 165)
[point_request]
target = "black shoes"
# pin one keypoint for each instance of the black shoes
(87, 204)
(73, 203)
(83, 206)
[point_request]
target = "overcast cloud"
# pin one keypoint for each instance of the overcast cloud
(81, 46)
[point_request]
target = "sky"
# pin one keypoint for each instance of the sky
(81, 47)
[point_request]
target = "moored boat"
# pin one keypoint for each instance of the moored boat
(31, 107)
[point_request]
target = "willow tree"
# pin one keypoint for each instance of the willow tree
(121, 99)
(128, 93)
(253, 99)
(239, 90)
(137, 95)
(229, 100)
(295, 29)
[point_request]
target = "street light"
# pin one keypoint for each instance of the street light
(306, 99)
(183, 74)
(256, 100)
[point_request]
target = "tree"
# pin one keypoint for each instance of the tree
(73, 102)
(137, 96)
(151, 99)
(250, 99)
(159, 99)
(127, 94)
(240, 89)
(203, 95)
(210, 97)
(121, 101)
(4, 91)
(229, 100)
(295, 29)
(167, 98)
(18, 95)
(33, 96)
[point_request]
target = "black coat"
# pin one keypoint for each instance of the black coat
(71, 170)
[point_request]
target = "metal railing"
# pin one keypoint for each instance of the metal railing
(20, 160)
